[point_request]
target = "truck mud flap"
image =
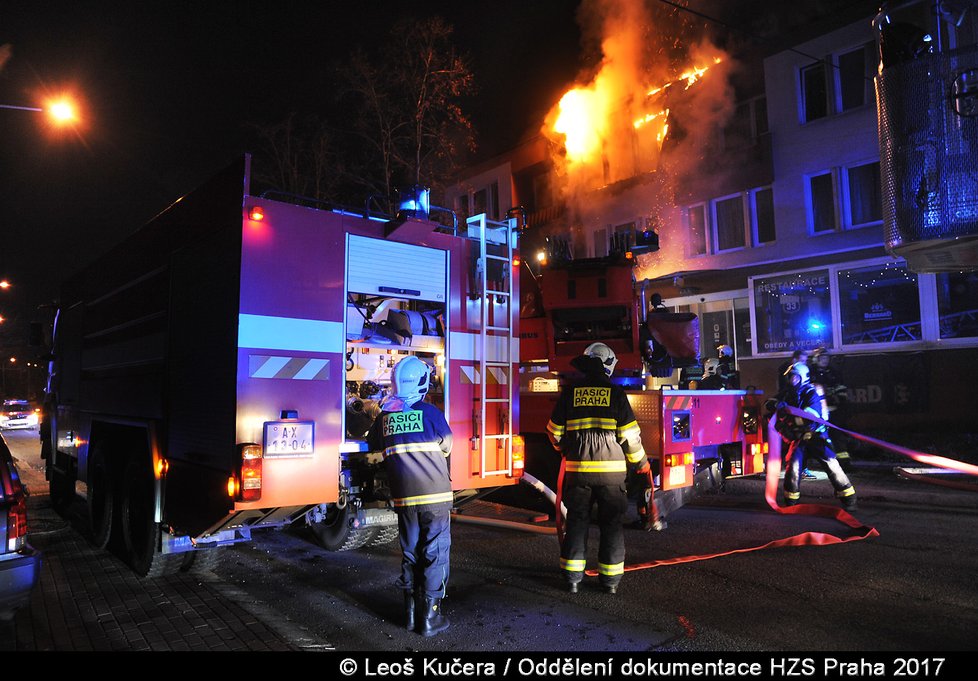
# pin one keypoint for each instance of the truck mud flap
(376, 517)
(708, 480)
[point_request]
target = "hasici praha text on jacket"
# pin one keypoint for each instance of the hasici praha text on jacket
(415, 442)
(594, 429)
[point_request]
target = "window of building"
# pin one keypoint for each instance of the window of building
(879, 304)
(957, 304)
(494, 201)
(793, 311)
(815, 95)
(742, 332)
(865, 194)
(729, 221)
(479, 202)
(543, 192)
(462, 207)
(853, 78)
(600, 243)
(622, 237)
(821, 195)
(762, 213)
(486, 201)
(697, 229)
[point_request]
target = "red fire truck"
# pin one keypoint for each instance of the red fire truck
(216, 372)
(573, 303)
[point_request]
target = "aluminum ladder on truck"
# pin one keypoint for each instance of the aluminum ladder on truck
(496, 347)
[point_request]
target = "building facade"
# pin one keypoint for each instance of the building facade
(775, 236)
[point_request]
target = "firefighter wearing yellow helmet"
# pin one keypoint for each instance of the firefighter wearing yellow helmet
(595, 431)
(416, 440)
(807, 439)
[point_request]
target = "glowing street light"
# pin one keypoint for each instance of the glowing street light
(60, 111)
(4, 284)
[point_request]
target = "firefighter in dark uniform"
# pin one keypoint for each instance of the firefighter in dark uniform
(808, 439)
(825, 376)
(594, 429)
(416, 440)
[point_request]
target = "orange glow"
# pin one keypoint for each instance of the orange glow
(578, 121)
(232, 487)
(162, 466)
(62, 111)
(4, 284)
(256, 213)
(516, 261)
(688, 77)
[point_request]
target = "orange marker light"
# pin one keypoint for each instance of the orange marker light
(256, 213)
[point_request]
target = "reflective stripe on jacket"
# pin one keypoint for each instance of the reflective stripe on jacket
(594, 428)
(416, 442)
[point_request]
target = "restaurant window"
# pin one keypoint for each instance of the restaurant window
(957, 304)
(879, 304)
(793, 311)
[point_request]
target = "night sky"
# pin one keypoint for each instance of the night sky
(169, 90)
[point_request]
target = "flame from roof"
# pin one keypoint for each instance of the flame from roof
(584, 113)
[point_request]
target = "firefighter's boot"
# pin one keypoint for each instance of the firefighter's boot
(409, 609)
(433, 622)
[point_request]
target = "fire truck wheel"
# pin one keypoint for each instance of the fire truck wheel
(202, 560)
(140, 530)
(385, 535)
(101, 498)
(336, 532)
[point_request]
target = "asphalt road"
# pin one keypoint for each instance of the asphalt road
(910, 589)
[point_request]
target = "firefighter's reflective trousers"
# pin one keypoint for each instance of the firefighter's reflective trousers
(425, 544)
(612, 505)
(819, 447)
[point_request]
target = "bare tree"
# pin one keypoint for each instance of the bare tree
(399, 121)
(299, 157)
(407, 107)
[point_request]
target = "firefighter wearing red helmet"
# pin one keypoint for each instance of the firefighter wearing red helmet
(595, 431)
(416, 440)
(808, 439)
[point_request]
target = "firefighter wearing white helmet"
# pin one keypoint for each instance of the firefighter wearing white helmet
(416, 440)
(595, 431)
(825, 376)
(807, 439)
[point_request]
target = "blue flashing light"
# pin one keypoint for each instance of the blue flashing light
(415, 202)
(815, 325)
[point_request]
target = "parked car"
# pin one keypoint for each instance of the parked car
(18, 414)
(20, 564)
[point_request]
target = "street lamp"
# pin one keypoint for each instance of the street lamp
(60, 111)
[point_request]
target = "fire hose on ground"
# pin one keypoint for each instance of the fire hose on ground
(773, 468)
(773, 473)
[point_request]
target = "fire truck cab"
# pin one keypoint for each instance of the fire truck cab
(572, 303)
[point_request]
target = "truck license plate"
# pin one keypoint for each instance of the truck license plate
(289, 438)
